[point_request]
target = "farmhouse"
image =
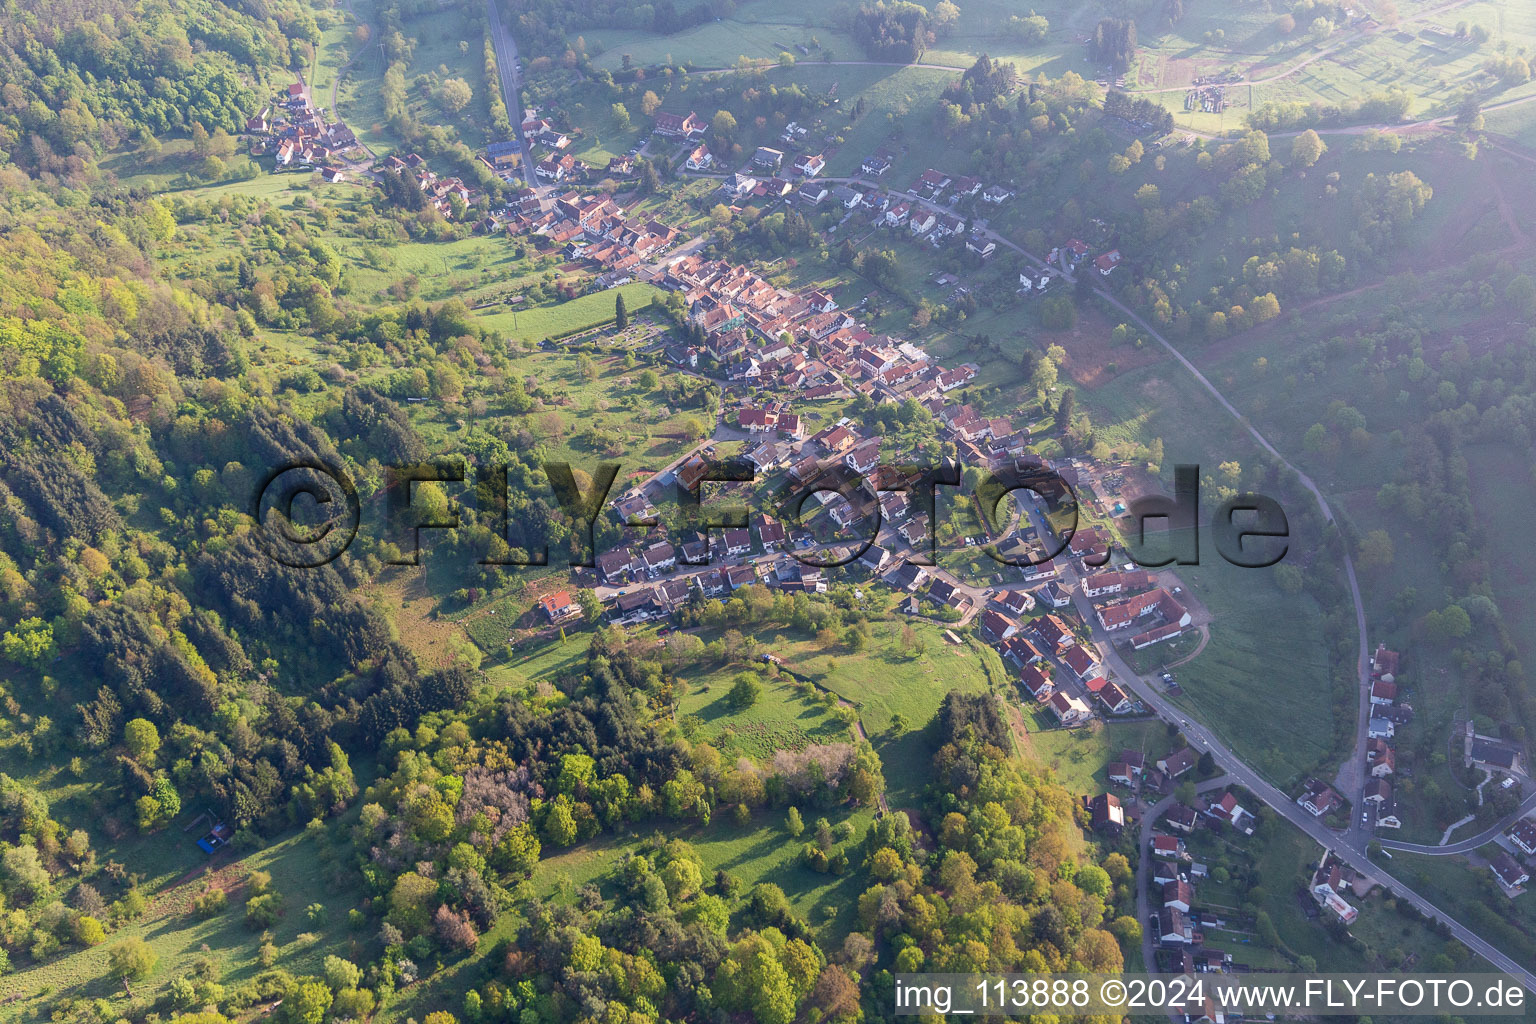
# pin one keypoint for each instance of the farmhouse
(1122, 614)
(673, 126)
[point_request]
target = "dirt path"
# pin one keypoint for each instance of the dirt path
(1205, 638)
(342, 71)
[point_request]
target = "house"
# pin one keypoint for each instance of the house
(948, 225)
(738, 185)
(1054, 633)
(1335, 903)
(1175, 927)
(1039, 572)
(1069, 710)
(555, 168)
(673, 126)
(1384, 662)
(638, 605)
(1319, 798)
(875, 166)
(909, 577)
(1015, 602)
(809, 165)
(1082, 662)
(1156, 635)
(1383, 692)
(701, 159)
(1036, 683)
(1523, 835)
(1387, 816)
(1167, 847)
(768, 158)
(1177, 763)
(875, 557)
(931, 183)
(1107, 262)
(1106, 813)
(659, 558)
(864, 457)
(1380, 728)
(996, 194)
(1115, 700)
(1099, 584)
(1377, 791)
(738, 542)
(1489, 752)
(1182, 818)
(1121, 772)
(812, 193)
(1135, 760)
(982, 247)
(944, 592)
(1122, 614)
(1055, 595)
(558, 607)
(997, 627)
(920, 222)
(1380, 758)
(1227, 809)
(770, 533)
(847, 198)
(332, 175)
(1509, 873)
(897, 215)
(1179, 895)
(616, 566)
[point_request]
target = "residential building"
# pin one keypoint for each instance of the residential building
(1177, 763)
(1106, 813)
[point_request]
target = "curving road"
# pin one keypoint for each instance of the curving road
(1483, 838)
(1351, 776)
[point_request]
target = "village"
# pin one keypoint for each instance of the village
(1064, 626)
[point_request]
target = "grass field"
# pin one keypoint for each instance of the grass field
(1475, 900)
(1080, 757)
(178, 938)
(785, 717)
(586, 311)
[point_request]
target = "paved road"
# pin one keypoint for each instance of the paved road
(1483, 838)
(1349, 845)
(506, 68)
(1351, 776)
(1144, 908)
